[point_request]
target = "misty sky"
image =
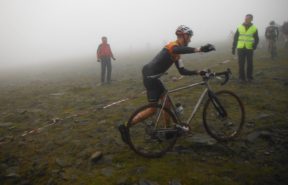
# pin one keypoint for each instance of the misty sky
(35, 31)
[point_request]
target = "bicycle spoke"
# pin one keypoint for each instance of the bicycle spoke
(224, 127)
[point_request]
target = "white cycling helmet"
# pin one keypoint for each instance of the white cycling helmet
(182, 29)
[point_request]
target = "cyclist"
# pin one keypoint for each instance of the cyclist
(272, 34)
(168, 56)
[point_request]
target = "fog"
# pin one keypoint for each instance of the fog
(42, 31)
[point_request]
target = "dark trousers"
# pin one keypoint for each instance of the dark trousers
(243, 56)
(106, 65)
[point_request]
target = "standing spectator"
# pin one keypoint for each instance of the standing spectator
(246, 40)
(285, 33)
(272, 31)
(272, 34)
(104, 55)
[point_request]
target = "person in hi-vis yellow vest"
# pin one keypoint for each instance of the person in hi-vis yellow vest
(245, 40)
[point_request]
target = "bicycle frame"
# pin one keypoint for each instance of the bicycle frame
(200, 100)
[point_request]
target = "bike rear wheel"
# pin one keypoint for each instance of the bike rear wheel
(154, 135)
(224, 127)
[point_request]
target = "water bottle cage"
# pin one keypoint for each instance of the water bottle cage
(179, 109)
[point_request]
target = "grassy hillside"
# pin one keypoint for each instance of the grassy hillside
(52, 123)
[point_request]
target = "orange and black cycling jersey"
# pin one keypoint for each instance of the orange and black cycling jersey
(166, 57)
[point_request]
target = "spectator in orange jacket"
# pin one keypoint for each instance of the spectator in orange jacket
(104, 55)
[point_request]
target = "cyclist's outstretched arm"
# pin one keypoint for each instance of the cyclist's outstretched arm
(185, 50)
(183, 71)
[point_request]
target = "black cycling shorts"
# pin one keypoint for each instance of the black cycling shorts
(154, 89)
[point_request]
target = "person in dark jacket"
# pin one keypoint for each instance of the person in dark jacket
(104, 55)
(272, 35)
(285, 33)
(246, 40)
(272, 31)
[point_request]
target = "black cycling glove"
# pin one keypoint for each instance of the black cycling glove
(207, 48)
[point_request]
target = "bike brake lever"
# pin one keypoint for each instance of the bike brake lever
(226, 79)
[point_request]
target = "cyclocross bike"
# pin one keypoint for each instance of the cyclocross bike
(223, 118)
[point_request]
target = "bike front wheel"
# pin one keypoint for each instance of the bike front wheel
(153, 134)
(223, 116)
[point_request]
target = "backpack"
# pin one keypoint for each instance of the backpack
(271, 32)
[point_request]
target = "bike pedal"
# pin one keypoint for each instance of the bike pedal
(123, 131)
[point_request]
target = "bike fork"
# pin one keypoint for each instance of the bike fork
(217, 105)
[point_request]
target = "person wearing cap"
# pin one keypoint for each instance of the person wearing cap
(246, 40)
(168, 56)
(104, 55)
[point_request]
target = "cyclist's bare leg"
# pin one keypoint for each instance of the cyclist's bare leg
(143, 115)
(150, 111)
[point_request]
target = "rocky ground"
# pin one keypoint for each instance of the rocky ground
(57, 131)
